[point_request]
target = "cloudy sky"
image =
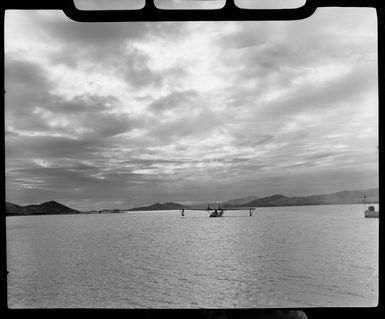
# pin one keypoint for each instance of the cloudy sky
(116, 115)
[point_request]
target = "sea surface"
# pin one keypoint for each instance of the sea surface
(309, 256)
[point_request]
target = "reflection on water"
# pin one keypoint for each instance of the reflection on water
(280, 257)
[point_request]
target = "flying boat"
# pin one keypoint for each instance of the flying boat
(218, 212)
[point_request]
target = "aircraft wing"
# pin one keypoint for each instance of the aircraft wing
(220, 210)
(223, 208)
(237, 208)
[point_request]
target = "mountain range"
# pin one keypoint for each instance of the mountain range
(240, 201)
(48, 208)
(159, 206)
(342, 197)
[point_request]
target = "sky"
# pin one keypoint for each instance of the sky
(119, 115)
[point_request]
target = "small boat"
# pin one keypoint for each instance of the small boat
(372, 213)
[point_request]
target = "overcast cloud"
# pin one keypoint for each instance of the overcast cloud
(115, 115)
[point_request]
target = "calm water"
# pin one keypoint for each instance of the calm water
(280, 257)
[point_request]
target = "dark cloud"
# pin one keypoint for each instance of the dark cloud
(267, 59)
(26, 86)
(137, 72)
(96, 40)
(54, 174)
(174, 101)
(24, 74)
(250, 139)
(262, 51)
(246, 35)
(80, 118)
(31, 106)
(195, 124)
(329, 95)
(320, 155)
(76, 42)
(52, 148)
(133, 67)
(146, 162)
(108, 47)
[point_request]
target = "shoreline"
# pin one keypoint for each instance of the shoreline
(160, 210)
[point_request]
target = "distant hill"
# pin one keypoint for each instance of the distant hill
(48, 208)
(239, 201)
(159, 206)
(266, 201)
(342, 197)
(203, 205)
(13, 209)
